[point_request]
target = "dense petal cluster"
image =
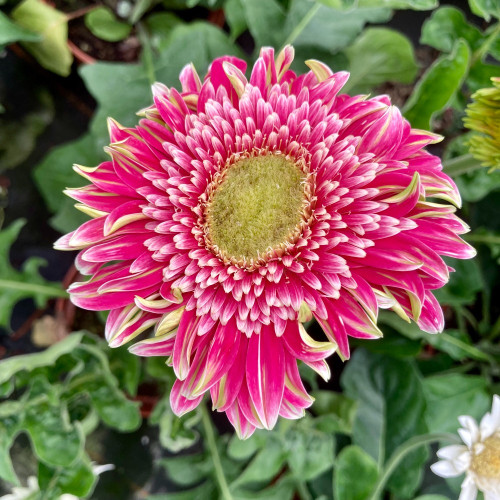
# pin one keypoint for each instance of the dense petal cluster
(483, 117)
(376, 215)
(478, 458)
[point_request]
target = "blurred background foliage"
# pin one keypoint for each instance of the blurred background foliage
(70, 403)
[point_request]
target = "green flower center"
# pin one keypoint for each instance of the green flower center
(487, 463)
(256, 207)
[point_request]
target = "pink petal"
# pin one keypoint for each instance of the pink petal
(186, 335)
(295, 397)
(227, 389)
(222, 351)
(431, 319)
(156, 346)
(302, 346)
(189, 79)
(179, 404)
(265, 374)
(244, 429)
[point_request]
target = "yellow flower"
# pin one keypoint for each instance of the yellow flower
(483, 117)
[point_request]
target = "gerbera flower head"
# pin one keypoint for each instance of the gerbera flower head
(238, 209)
(483, 117)
(478, 458)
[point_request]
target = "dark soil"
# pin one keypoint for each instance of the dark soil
(125, 51)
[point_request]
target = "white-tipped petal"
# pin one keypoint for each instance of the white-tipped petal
(470, 431)
(490, 423)
(445, 468)
(492, 495)
(469, 490)
(452, 452)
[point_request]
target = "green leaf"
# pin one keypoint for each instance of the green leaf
(9, 367)
(103, 24)
(78, 480)
(340, 409)
(464, 283)
(114, 409)
(264, 466)
(18, 137)
(97, 379)
(283, 489)
(243, 449)
(55, 439)
(456, 346)
(446, 26)
(265, 20)
(101, 80)
(401, 4)
(68, 218)
(391, 4)
(322, 486)
(211, 42)
(476, 185)
(160, 26)
(379, 55)
(52, 51)
(205, 491)
(329, 29)
(436, 88)
(432, 497)
(494, 47)
(9, 428)
(355, 474)
(485, 8)
(26, 283)
(235, 16)
(157, 368)
(393, 344)
(55, 173)
(6, 388)
(480, 74)
(176, 433)
(188, 469)
(310, 452)
(391, 410)
(449, 396)
(11, 32)
(126, 367)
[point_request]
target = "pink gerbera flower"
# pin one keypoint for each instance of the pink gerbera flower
(236, 210)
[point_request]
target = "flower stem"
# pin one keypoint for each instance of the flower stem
(490, 239)
(80, 12)
(212, 447)
(303, 23)
(461, 165)
(474, 352)
(401, 452)
(46, 290)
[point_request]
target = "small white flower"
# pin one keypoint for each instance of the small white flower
(24, 493)
(479, 458)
